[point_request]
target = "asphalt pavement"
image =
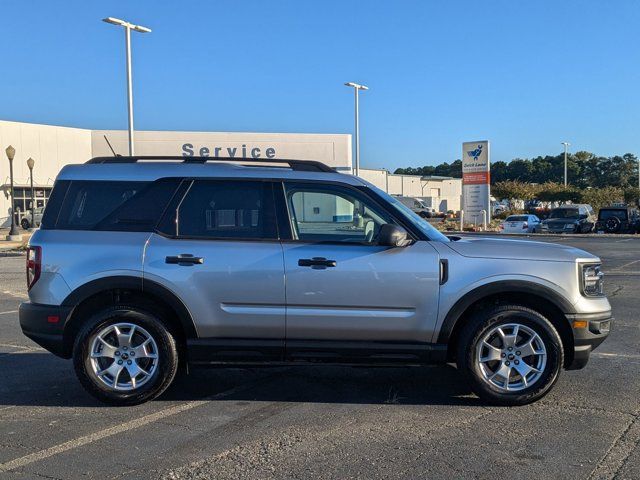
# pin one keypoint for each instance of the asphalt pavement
(326, 422)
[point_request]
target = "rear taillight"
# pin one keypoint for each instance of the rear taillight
(502, 226)
(525, 225)
(34, 265)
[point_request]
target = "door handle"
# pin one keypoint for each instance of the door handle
(317, 263)
(184, 259)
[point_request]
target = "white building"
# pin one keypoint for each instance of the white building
(52, 147)
(440, 193)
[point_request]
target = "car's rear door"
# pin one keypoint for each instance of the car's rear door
(348, 297)
(217, 249)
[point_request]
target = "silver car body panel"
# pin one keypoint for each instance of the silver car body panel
(237, 292)
(373, 293)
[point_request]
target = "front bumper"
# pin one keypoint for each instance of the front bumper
(44, 324)
(588, 338)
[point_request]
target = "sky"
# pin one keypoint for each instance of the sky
(523, 75)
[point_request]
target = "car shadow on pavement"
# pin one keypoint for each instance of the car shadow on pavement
(41, 379)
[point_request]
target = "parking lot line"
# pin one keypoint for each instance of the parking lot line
(108, 432)
(10, 311)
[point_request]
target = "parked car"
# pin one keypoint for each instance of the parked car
(578, 218)
(418, 206)
(27, 219)
(142, 266)
(621, 219)
(520, 224)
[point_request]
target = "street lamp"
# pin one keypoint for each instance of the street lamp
(127, 35)
(30, 163)
(14, 234)
(566, 144)
(356, 88)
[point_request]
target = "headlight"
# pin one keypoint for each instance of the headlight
(592, 280)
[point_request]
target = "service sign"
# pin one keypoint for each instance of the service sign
(475, 181)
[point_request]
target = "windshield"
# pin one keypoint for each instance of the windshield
(565, 213)
(424, 226)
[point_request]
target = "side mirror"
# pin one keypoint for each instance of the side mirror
(393, 236)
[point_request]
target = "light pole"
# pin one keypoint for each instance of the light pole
(356, 89)
(30, 163)
(127, 35)
(14, 234)
(566, 144)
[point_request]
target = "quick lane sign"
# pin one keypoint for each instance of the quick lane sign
(476, 181)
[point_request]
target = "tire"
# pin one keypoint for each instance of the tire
(155, 374)
(523, 390)
(24, 223)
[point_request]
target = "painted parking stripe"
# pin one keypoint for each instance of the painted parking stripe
(108, 432)
(8, 312)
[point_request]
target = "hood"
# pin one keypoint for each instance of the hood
(518, 250)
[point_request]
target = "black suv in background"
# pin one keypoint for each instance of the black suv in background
(621, 219)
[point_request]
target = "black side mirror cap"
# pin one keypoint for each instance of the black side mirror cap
(393, 236)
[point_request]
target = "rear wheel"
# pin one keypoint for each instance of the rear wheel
(125, 356)
(511, 354)
(25, 224)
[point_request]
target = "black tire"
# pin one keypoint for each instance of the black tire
(481, 324)
(612, 225)
(167, 361)
(24, 223)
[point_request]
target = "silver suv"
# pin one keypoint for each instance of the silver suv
(142, 265)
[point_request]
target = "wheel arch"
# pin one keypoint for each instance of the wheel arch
(537, 297)
(127, 290)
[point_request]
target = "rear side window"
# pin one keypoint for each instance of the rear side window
(227, 209)
(108, 205)
(607, 214)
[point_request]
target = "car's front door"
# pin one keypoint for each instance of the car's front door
(347, 295)
(218, 251)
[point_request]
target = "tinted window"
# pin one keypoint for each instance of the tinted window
(324, 213)
(227, 209)
(54, 204)
(565, 213)
(607, 214)
(141, 212)
(517, 218)
(88, 202)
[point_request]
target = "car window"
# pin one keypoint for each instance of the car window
(517, 218)
(227, 209)
(571, 213)
(328, 213)
(607, 214)
(88, 202)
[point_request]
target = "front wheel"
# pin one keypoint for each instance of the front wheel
(511, 354)
(24, 223)
(125, 356)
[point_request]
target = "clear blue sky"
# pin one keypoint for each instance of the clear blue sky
(525, 75)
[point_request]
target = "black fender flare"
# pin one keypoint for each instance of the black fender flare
(504, 287)
(99, 285)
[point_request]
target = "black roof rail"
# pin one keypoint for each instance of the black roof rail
(299, 165)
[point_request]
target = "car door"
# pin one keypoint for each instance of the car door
(347, 295)
(218, 250)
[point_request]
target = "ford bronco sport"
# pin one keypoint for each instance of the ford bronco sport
(145, 263)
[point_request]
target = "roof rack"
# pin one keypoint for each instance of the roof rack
(299, 165)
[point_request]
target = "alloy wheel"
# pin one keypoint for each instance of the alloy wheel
(123, 356)
(511, 357)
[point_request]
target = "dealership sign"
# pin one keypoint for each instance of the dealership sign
(189, 150)
(475, 181)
